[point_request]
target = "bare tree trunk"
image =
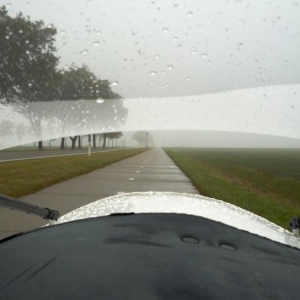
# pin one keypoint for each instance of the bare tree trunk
(99, 139)
(89, 138)
(73, 139)
(94, 141)
(62, 143)
(79, 142)
(104, 141)
(40, 145)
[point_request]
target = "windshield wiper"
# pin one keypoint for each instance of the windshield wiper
(28, 208)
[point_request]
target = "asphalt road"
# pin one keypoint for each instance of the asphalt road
(22, 155)
(152, 170)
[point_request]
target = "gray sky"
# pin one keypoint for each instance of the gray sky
(214, 65)
(193, 47)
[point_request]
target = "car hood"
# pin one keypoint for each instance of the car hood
(169, 202)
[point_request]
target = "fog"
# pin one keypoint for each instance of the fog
(189, 47)
(212, 139)
(208, 66)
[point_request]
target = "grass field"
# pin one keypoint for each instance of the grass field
(263, 181)
(25, 177)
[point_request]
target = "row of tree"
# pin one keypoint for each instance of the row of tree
(30, 73)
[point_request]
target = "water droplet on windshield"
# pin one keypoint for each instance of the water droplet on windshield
(204, 55)
(170, 67)
(209, 62)
(194, 51)
(96, 44)
(165, 30)
(175, 39)
(114, 83)
(156, 57)
(98, 32)
(190, 14)
(131, 178)
(30, 84)
(100, 100)
(8, 5)
(152, 73)
(62, 32)
(188, 79)
(84, 52)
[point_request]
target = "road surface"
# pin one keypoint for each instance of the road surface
(22, 155)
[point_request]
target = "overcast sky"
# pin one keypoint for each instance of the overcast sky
(239, 60)
(190, 47)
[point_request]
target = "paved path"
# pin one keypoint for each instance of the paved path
(152, 170)
(23, 155)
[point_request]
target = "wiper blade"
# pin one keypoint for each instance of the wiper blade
(28, 208)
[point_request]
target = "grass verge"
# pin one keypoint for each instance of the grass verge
(25, 177)
(232, 185)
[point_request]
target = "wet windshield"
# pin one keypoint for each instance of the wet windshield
(197, 97)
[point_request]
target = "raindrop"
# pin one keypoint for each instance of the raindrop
(131, 178)
(163, 72)
(96, 44)
(175, 39)
(7, 37)
(98, 32)
(137, 171)
(30, 84)
(114, 83)
(188, 79)
(190, 14)
(62, 32)
(204, 55)
(151, 83)
(156, 57)
(7, 5)
(209, 62)
(152, 73)
(84, 52)
(194, 51)
(170, 67)
(20, 31)
(100, 100)
(66, 68)
(165, 30)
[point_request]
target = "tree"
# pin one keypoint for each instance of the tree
(143, 138)
(111, 135)
(79, 84)
(27, 65)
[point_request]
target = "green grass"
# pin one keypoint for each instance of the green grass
(25, 177)
(263, 181)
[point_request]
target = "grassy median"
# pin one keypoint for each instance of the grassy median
(263, 181)
(28, 176)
